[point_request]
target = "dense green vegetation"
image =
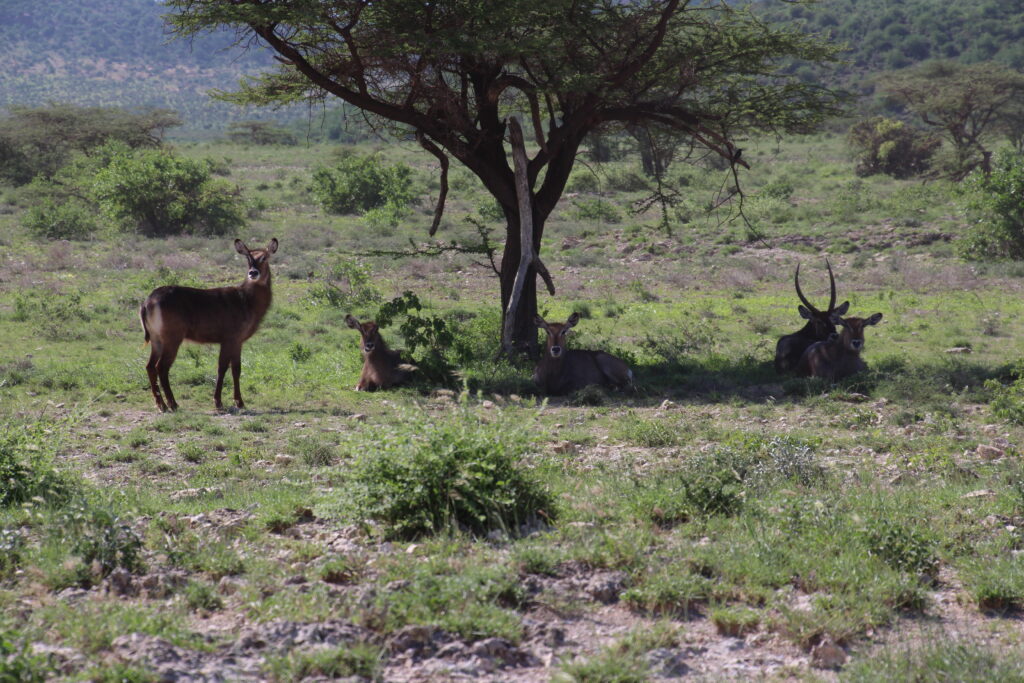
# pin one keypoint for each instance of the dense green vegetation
(883, 35)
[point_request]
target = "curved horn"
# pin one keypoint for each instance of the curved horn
(796, 281)
(832, 282)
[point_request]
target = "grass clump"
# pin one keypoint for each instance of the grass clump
(17, 664)
(426, 475)
(359, 660)
(938, 661)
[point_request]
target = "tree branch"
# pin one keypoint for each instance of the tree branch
(426, 144)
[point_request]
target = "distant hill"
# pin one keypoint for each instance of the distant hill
(117, 53)
(891, 34)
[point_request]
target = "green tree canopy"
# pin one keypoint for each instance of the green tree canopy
(40, 140)
(967, 104)
(452, 71)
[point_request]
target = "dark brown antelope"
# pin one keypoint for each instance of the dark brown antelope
(382, 367)
(838, 358)
(819, 327)
(222, 315)
(562, 371)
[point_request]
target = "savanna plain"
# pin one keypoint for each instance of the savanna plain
(718, 522)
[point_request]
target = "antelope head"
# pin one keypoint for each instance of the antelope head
(557, 333)
(368, 331)
(822, 323)
(852, 337)
(259, 260)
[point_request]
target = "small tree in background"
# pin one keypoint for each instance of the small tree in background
(967, 104)
(996, 211)
(259, 133)
(39, 141)
(889, 146)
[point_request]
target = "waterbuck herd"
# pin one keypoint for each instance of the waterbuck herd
(230, 315)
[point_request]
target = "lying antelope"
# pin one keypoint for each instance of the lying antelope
(819, 327)
(382, 367)
(222, 315)
(562, 371)
(840, 357)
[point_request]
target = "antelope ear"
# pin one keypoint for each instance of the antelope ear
(804, 313)
(272, 247)
(241, 248)
(539, 322)
(836, 319)
(873, 320)
(573, 319)
(842, 308)
(352, 322)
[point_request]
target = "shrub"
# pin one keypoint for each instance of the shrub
(996, 211)
(362, 183)
(101, 539)
(17, 664)
(425, 475)
(25, 469)
(891, 147)
(158, 193)
(596, 210)
(356, 290)
(429, 338)
(627, 180)
(901, 547)
(68, 220)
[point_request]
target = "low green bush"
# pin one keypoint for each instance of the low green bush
(362, 183)
(995, 211)
(424, 475)
(60, 220)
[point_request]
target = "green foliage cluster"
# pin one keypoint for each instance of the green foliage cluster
(430, 339)
(154, 192)
(18, 665)
(361, 184)
(884, 145)
(158, 193)
(422, 475)
(102, 540)
(26, 469)
(38, 141)
(996, 211)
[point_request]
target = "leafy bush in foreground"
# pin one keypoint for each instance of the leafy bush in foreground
(25, 470)
(426, 475)
(996, 211)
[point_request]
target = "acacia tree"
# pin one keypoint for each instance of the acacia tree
(966, 103)
(452, 71)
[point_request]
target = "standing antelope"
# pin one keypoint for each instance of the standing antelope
(562, 371)
(838, 358)
(819, 327)
(382, 367)
(222, 315)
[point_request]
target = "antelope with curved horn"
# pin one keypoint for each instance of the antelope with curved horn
(562, 371)
(838, 358)
(222, 315)
(820, 326)
(382, 367)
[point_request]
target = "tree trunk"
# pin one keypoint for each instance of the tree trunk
(524, 332)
